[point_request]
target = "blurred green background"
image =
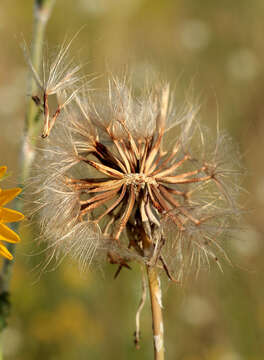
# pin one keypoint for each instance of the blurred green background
(218, 47)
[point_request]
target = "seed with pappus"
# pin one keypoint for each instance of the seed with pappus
(134, 179)
(58, 74)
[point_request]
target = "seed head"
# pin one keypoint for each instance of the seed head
(120, 176)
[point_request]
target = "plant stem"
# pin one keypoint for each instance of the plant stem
(1, 345)
(41, 15)
(156, 307)
(42, 11)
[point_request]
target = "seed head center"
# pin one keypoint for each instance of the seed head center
(139, 179)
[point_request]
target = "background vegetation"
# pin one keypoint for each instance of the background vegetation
(218, 48)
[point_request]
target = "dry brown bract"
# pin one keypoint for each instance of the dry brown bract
(122, 178)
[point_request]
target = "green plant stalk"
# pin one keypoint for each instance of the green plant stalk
(42, 11)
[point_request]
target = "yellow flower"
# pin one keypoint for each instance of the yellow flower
(6, 216)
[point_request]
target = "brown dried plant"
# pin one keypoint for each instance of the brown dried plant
(119, 176)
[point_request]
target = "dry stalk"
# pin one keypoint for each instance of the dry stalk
(156, 307)
(110, 181)
(140, 308)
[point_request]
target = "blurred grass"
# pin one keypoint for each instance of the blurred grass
(216, 46)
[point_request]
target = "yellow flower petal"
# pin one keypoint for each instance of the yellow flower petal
(5, 253)
(7, 195)
(2, 171)
(8, 215)
(7, 234)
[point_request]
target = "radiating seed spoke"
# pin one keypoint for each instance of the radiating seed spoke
(176, 192)
(127, 213)
(175, 203)
(98, 197)
(167, 208)
(114, 205)
(172, 168)
(177, 180)
(131, 139)
(160, 127)
(104, 169)
(105, 155)
(108, 186)
(97, 204)
(144, 155)
(169, 158)
(129, 156)
(91, 187)
(122, 154)
(156, 204)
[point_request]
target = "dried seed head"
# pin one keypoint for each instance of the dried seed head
(120, 177)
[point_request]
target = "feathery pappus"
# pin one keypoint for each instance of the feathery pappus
(120, 176)
(58, 74)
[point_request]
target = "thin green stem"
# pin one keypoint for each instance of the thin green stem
(1, 348)
(32, 122)
(42, 11)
